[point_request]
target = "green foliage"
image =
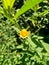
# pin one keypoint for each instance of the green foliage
(8, 3)
(33, 50)
(27, 5)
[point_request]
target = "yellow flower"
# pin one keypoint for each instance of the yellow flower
(24, 33)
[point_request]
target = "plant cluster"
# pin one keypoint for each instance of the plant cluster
(24, 32)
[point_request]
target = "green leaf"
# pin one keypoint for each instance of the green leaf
(45, 45)
(31, 42)
(8, 3)
(1, 10)
(29, 4)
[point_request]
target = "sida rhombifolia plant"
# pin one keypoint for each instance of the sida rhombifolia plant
(36, 45)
